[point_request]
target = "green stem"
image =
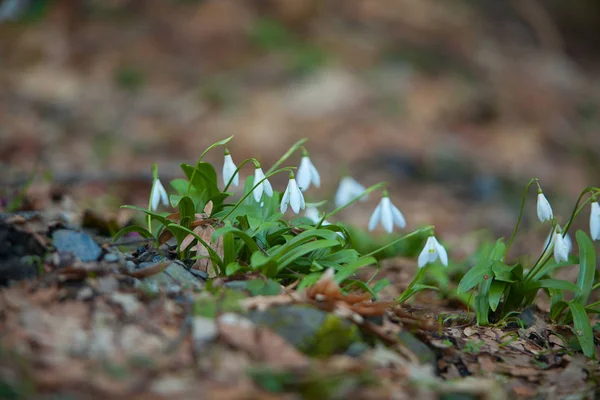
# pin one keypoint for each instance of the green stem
(212, 146)
(267, 176)
(577, 209)
(512, 238)
(394, 242)
(287, 155)
(237, 170)
(417, 278)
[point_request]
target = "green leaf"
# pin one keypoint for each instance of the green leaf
(259, 287)
(411, 291)
(583, 329)
(309, 280)
(587, 267)
(304, 249)
(153, 215)
(474, 276)
(252, 246)
(350, 269)
(232, 268)
(187, 212)
(482, 302)
(380, 285)
(138, 229)
(214, 257)
(555, 284)
(495, 294)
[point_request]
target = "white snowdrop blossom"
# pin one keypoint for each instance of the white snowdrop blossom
(158, 195)
(544, 210)
(595, 221)
(265, 186)
(348, 190)
(307, 174)
(292, 196)
(431, 252)
(562, 246)
(388, 214)
(229, 168)
(313, 214)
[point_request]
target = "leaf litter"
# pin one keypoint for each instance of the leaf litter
(95, 328)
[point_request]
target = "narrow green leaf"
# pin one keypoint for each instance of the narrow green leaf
(495, 294)
(304, 249)
(555, 284)
(587, 267)
(214, 257)
(138, 229)
(482, 302)
(474, 276)
(583, 329)
(349, 269)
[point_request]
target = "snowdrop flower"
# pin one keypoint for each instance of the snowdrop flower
(387, 214)
(432, 250)
(265, 186)
(562, 245)
(229, 168)
(595, 221)
(348, 190)
(307, 173)
(158, 195)
(292, 196)
(313, 214)
(544, 210)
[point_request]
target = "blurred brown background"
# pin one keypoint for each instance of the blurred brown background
(455, 103)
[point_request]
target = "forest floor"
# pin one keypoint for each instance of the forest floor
(453, 108)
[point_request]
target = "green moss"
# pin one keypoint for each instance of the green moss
(334, 336)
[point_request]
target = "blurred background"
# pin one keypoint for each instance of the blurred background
(455, 103)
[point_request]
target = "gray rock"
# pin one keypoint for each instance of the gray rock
(172, 280)
(130, 265)
(425, 354)
(310, 330)
(78, 243)
(111, 257)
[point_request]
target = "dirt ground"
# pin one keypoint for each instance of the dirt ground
(455, 104)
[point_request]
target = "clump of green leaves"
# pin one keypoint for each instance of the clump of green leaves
(249, 235)
(503, 289)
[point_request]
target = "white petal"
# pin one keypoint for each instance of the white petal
(375, 217)
(295, 196)
(561, 251)
(158, 195)
(398, 217)
(441, 251)
(303, 175)
(258, 176)
(544, 210)
(302, 202)
(315, 177)
(154, 197)
(313, 214)
(595, 221)
(285, 199)
(424, 255)
(268, 188)
(387, 219)
(228, 171)
(348, 190)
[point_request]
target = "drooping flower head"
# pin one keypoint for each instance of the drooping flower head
(158, 194)
(307, 173)
(292, 196)
(229, 169)
(544, 210)
(388, 214)
(348, 190)
(595, 221)
(431, 252)
(264, 186)
(562, 245)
